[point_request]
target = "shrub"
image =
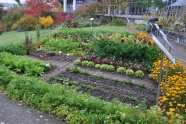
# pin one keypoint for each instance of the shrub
(77, 62)
(110, 68)
(129, 72)
(139, 73)
(141, 27)
(14, 49)
(85, 22)
(117, 22)
(97, 66)
(104, 66)
(46, 21)
(1, 32)
(90, 64)
(121, 70)
(2, 26)
(28, 22)
(129, 50)
(11, 18)
(84, 63)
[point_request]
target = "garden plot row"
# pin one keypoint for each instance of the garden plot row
(107, 89)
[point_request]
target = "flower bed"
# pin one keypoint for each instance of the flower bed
(173, 91)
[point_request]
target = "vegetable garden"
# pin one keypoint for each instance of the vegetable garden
(77, 96)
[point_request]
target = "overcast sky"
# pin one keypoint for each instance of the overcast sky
(10, 1)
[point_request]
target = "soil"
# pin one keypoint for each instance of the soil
(112, 87)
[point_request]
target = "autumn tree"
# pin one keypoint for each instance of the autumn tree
(114, 4)
(88, 9)
(41, 5)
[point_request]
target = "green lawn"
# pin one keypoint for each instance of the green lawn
(108, 28)
(15, 37)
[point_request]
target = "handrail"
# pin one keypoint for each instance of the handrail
(164, 36)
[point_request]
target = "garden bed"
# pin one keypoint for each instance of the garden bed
(42, 55)
(107, 89)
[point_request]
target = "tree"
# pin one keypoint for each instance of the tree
(114, 4)
(18, 1)
(88, 9)
(150, 3)
(41, 5)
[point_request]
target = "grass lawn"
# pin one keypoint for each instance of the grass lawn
(108, 28)
(15, 37)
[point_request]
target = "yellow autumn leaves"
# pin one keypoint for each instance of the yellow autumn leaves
(46, 21)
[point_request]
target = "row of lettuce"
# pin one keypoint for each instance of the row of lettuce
(79, 42)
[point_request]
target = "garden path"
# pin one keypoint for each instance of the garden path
(14, 112)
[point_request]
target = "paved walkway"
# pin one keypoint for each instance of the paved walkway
(17, 113)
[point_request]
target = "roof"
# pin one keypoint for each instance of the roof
(179, 3)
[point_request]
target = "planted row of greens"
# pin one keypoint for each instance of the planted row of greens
(127, 51)
(74, 107)
(138, 73)
(23, 64)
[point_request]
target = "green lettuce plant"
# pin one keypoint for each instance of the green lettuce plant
(139, 73)
(129, 72)
(121, 70)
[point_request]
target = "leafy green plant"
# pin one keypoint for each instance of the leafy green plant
(110, 68)
(23, 64)
(16, 49)
(97, 66)
(129, 50)
(85, 72)
(77, 62)
(121, 70)
(142, 85)
(129, 72)
(75, 70)
(5, 76)
(67, 68)
(102, 77)
(116, 80)
(129, 81)
(85, 63)
(139, 73)
(90, 64)
(104, 66)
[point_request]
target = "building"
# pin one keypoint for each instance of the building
(176, 9)
(69, 7)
